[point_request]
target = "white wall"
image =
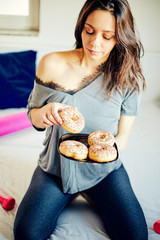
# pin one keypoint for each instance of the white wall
(147, 17)
(57, 22)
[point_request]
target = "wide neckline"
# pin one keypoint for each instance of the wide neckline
(58, 88)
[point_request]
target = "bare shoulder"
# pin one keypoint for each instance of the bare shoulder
(54, 65)
(49, 66)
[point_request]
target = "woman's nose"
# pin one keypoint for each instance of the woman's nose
(96, 41)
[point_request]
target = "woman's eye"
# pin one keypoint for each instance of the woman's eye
(107, 38)
(89, 32)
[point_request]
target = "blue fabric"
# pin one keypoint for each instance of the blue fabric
(118, 207)
(117, 204)
(38, 211)
(17, 73)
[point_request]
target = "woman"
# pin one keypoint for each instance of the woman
(102, 77)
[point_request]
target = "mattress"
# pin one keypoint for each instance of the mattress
(18, 158)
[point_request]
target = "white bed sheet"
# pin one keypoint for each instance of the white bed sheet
(18, 158)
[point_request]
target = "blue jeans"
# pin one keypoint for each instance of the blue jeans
(113, 196)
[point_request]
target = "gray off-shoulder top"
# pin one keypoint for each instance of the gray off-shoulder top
(99, 112)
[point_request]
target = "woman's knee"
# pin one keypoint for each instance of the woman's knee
(23, 231)
(138, 229)
(126, 228)
(124, 233)
(28, 231)
(139, 232)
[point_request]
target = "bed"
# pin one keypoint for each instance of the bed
(19, 152)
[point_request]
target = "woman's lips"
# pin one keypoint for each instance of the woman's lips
(93, 52)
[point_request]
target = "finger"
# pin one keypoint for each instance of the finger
(46, 121)
(51, 118)
(57, 118)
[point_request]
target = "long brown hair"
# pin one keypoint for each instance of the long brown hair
(122, 68)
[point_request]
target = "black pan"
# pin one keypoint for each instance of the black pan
(83, 138)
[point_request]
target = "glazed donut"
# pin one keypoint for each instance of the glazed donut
(101, 136)
(102, 153)
(72, 120)
(74, 149)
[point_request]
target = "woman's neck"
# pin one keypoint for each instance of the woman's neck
(88, 64)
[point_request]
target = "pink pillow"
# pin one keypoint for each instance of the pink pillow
(14, 122)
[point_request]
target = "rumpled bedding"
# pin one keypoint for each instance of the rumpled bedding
(18, 158)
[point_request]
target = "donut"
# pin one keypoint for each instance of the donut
(72, 120)
(74, 149)
(102, 153)
(101, 136)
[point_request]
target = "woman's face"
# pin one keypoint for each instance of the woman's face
(98, 35)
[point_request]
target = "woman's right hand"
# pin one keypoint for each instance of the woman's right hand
(47, 115)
